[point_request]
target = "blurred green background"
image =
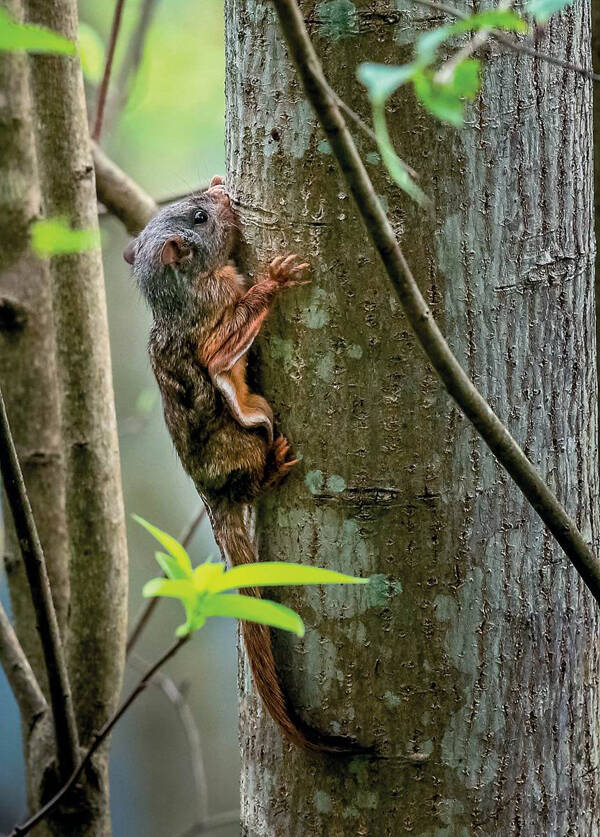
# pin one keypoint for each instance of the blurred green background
(170, 137)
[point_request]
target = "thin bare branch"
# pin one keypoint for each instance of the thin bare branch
(110, 54)
(142, 620)
(21, 679)
(65, 727)
(99, 738)
(452, 375)
(175, 695)
(130, 65)
(511, 43)
(121, 195)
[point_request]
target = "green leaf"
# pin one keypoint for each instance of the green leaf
(427, 45)
(54, 237)
(256, 610)
(279, 573)
(506, 19)
(91, 52)
(172, 546)
(169, 566)
(439, 99)
(395, 166)
(466, 80)
(542, 10)
(381, 80)
(26, 37)
(172, 589)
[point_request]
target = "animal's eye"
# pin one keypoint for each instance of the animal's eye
(200, 216)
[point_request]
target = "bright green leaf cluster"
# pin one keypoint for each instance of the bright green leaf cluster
(542, 10)
(54, 237)
(26, 37)
(201, 590)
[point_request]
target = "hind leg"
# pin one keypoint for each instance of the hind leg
(279, 463)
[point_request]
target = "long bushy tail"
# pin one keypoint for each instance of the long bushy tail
(231, 534)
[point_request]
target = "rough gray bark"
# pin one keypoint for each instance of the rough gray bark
(470, 660)
(28, 377)
(97, 619)
(596, 131)
(27, 355)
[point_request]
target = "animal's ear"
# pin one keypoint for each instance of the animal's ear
(174, 250)
(216, 181)
(129, 251)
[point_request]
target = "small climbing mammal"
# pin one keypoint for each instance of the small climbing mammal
(205, 320)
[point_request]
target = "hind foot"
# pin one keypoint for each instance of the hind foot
(280, 463)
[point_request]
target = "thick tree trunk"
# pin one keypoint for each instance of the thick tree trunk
(29, 383)
(471, 660)
(97, 617)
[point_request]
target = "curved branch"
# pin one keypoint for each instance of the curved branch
(21, 679)
(65, 727)
(121, 195)
(454, 378)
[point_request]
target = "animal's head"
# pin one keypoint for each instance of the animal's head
(181, 245)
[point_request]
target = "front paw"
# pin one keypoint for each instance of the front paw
(286, 272)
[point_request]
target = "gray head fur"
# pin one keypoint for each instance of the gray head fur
(184, 243)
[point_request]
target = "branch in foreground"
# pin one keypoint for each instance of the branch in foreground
(454, 378)
(121, 195)
(99, 738)
(142, 620)
(65, 727)
(21, 679)
(510, 43)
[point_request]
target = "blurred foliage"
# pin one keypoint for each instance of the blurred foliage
(29, 38)
(170, 133)
(54, 236)
(443, 90)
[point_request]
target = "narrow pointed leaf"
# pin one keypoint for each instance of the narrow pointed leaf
(182, 590)
(169, 566)
(27, 37)
(255, 610)
(172, 546)
(279, 573)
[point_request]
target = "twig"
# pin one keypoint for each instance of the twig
(121, 195)
(175, 695)
(479, 39)
(130, 65)
(25, 688)
(456, 381)
(148, 609)
(511, 43)
(110, 54)
(216, 821)
(101, 736)
(65, 728)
